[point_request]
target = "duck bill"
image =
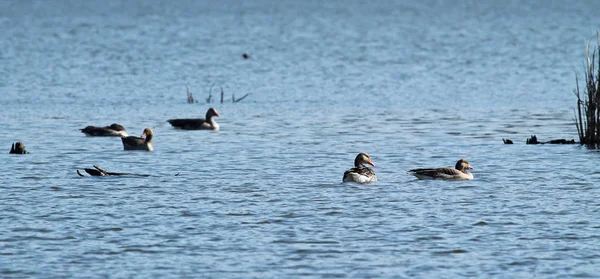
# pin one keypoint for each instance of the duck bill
(469, 167)
(370, 163)
(143, 135)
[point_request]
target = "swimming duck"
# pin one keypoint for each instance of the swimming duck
(360, 173)
(459, 172)
(208, 123)
(114, 130)
(139, 143)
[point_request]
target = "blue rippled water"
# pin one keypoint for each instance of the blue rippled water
(413, 83)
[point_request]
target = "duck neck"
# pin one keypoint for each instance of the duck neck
(148, 138)
(211, 120)
(459, 167)
(462, 169)
(357, 164)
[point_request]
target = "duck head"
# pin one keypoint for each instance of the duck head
(361, 159)
(463, 165)
(148, 134)
(116, 127)
(211, 112)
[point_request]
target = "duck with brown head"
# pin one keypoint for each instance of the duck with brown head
(207, 123)
(459, 172)
(139, 143)
(360, 173)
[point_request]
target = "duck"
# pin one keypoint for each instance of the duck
(114, 130)
(459, 172)
(18, 148)
(139, 143)
(207, 123)
(360, 173)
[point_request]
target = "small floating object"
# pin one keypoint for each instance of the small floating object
(246, 56)
(533, 140)
(561, 141)
(114, 130)
(18, 148)
(507, 141)
(98, 171)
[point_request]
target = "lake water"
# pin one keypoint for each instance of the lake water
(413, 83)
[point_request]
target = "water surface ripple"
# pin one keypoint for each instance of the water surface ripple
(413, 83)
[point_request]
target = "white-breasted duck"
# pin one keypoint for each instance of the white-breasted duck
(360, 173)
(139, 143)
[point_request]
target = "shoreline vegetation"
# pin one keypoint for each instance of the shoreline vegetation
(587, 116)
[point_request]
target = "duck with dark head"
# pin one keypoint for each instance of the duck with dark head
(139, 143)
(207, 123)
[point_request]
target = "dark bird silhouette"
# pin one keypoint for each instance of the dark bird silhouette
(114, 130)
(207, 123)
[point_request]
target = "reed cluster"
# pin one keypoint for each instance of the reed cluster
(587, 116)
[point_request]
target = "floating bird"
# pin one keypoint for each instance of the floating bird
(18, 148)
(208, 123)
(459, 172)
(114, 130)
(139, 143)
(360, 173)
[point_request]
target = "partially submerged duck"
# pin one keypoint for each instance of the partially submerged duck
(360, 173)
(114, 130)
(139, 143)
(207, 123)
(18, 148)
(459, 172)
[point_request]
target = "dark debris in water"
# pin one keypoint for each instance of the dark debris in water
(534, 140)
(455, 251)
(480, 223)
(239, 214)
(256, 223)
(98, 171)
(112, 229)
